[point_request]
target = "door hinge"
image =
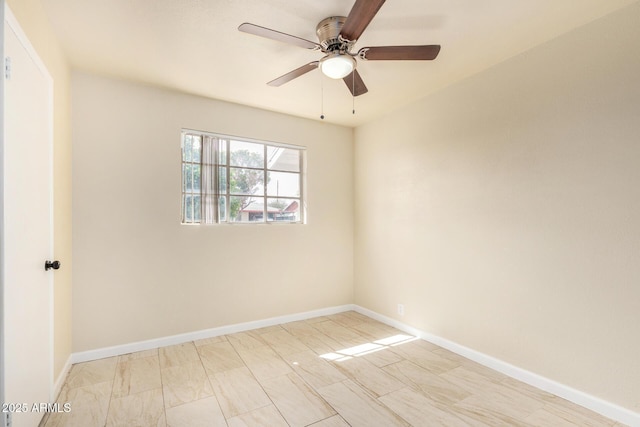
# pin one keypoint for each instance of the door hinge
(7, 68)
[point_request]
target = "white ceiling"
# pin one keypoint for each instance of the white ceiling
(194, 46)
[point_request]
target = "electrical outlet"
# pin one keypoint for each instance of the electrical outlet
(401, 309)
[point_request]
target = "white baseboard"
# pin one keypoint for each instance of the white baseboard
(62, 377)
(118, 350)
(608, 409)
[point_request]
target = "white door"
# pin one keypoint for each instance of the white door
(27, 228)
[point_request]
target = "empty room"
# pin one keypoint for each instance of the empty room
(304, 213)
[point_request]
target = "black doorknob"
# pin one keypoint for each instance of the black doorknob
(48, 265)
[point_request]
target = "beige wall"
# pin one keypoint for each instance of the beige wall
(504, 211)
(139, 274)
(34, 23)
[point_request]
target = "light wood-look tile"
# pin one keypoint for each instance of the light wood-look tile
(316, 319)
(335, 421)
(543, 418)
(176, 355)
(300, 328)
(238, 392)
(382, 357)
(245, 341)
(499, 406)
(138, 355)
(283, 342)
(264, 363)
(483, 370)
(219, 357)
(348, 318)
(134, 375)
(89, 406)
(517, 404)
(344, 336)
(359, 408)
(185, 383)
(420, 411)
(320, 343)
(140, 409)
(470, 381)
(212, 340)
(94, 372)
(267, 416)
(532, 392)
(374, 379)
(447, 354)
(316, 371)
(416, 344)
(572, 413)
(297, 402)
(332, 371)
(267, 329)
(200, 413)
(375, 331)
(419, 353)
(431, 385)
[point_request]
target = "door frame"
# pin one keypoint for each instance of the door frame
(3, 418)
(8, 18)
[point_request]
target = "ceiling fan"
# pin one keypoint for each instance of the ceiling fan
(337, 36)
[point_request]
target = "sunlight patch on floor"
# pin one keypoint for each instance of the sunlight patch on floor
(368, 348)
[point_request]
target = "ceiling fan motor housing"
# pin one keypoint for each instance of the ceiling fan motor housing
(328, 31)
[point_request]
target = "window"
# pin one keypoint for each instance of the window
(234, 180)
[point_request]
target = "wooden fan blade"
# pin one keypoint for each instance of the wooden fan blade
(359, 18)
(426, 52)
(355, 84)
(277, 35)
(294, 74)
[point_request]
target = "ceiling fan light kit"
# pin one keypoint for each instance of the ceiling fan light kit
(337, 35)
(337, 65)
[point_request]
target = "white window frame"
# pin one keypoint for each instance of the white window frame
(226, 194)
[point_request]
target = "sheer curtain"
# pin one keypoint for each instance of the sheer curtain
(209, 174)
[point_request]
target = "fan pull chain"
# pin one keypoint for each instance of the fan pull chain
(353, 92)
(321, 96)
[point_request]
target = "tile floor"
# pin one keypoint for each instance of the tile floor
(340, 370)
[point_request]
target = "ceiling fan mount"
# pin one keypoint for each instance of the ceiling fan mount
(328, 32)
(337, 35)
